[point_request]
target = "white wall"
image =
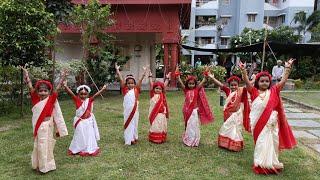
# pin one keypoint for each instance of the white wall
(68, 47)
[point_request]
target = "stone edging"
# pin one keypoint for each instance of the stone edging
(307, 106)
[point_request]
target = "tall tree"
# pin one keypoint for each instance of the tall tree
(24, 28)
(100, 55)
(315, 34)
(61, 10)
(92, 19)
(304, 23)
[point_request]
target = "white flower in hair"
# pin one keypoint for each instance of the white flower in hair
(85, 87)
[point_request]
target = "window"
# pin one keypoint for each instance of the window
(282, 19)
(205, 21)
(273, 21)
(226, 2)
(225, 20)
(252, 17)
(202, 2)
(224, 41)
(202, 41)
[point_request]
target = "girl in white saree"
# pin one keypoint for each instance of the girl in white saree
(235, 113)
(46, 114)
(269, 125)
(196, 108)
(86, 133)
(158, 111)
(131, 91)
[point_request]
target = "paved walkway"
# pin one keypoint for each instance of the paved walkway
(305, 125)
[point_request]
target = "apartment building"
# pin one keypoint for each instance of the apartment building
(214, 22)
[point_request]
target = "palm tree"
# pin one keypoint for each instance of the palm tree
(305, 23)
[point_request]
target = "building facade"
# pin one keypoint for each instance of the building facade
(316, 5)
(139, 26)
(231, 17)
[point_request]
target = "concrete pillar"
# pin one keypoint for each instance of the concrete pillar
(174, 61)
(166, 57)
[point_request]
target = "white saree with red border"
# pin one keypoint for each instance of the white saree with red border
(86, 133)
(196, 110)
(158, 114)
(270, 129)
(230, 133)
(46, 115)
(131, 115)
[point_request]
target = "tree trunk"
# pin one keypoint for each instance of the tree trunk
(53, 58)
(21, 93)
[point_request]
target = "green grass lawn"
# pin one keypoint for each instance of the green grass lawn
(311, 98)
(145, 160)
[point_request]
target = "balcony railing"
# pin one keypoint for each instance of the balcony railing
(202, 2)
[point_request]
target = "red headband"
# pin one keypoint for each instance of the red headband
(263, 73)
(47, 83)
(158, 83)
(233, 78)
(189, 78)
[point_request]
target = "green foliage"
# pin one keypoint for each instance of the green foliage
(282, 34)
(61, 9)
(9, 88)
(298, 83)
(92, 19)
(306, 23)
(311, 84)
(159, 51)
(218, 71)
(306, 67)
(24, 30)
(41, 72)
(236, 71)
(102, 67)
(315, 34)
(74, 66)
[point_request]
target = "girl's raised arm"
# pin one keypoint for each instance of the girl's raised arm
(142, 77)
(244, 73)
(69, 91)
(215, 81)
(288, 66)
(201, 84)
(27, 78)
(122, 83)
(99, 92)
(150, 79)
(205, 73)
(167, 79)
(179, 78)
